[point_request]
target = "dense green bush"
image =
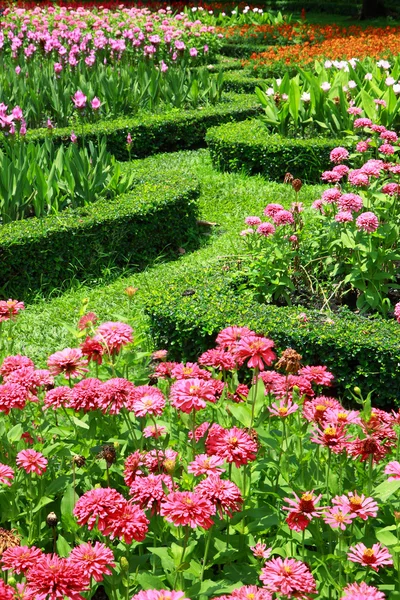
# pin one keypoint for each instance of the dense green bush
(243, 82)
(186, 317)
(154, 219)
(242, 50)
(248, 146)
(163, 132)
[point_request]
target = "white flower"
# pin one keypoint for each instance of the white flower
(210, 12)
(285, 96)
(327, 64)
(270, 92)
(234, 12)
(390, 81)
(278, 81)
(368, 76)
(223, 14)
(383, 64)
(326, 86)
(396, 88)
(345, 88)
(352, 84)
(194, 8)
(255, 9)
(353, 62)
(306, 97)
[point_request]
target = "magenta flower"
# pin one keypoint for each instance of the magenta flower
(32, 461)
(79, 99)
(289, 577)
(374, 557)
(6, 474)
(95, 103)
(367, 222)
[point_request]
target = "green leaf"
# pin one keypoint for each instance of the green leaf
(386, 537)
(14, 435)
(386, 489)
(63, 548)
(147, 581)
(242, 413)
(80, 423)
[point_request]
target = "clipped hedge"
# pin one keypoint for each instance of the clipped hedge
(242, 50)
(248, 146)
(243, 82)
(155, 218)
(164, 132)
(186, 317)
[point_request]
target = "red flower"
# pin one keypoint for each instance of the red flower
(188, 508)
(93, 561)
(32, 461)
(233, 445)
(374, 557)
(223, 493)
(52, 578)
(257, 350)
(129, 524)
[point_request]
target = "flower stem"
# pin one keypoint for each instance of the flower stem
(206, 554)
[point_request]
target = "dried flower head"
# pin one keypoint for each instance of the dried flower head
(288, 178)
(297, 184)
(289, 361)
(130, 291)
(79, 460)
(109, 454)
(51, 520)
(8, 539)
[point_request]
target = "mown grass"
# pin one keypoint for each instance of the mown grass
(48, 324)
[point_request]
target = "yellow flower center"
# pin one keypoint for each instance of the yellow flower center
(187, 370)
(193, 389)
(368, 553)
(287, 570)
(330, 431)
(307, 497)
(320, 408)
(282, 410)
(342, 417)
(147, 401)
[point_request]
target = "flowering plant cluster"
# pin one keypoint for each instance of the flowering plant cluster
(321, 101)
(237, 476)
(347, 242)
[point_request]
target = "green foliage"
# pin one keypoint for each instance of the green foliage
(242, 50)
(358, 350)
(154, 218)
(152, 133)
(246, 146)
(242, 82)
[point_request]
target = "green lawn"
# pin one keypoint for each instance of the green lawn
(226, 199)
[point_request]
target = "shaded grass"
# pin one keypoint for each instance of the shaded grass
(226, 198)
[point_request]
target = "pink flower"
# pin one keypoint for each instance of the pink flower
(114, 336)
(149, 491)
(6, 474)
(363, 122)
(283, 217)
(358, 178)
(52, 578)
(218, 359)
(354, 110)
(257, 350)
(193, 52)
(188, 508)
(159, 354)
(189, 371)
(6, 591)
(317, 374)
(93, 561)
(199, 432)
(205, 465)
(350, 202)
(132, 467)
(363, 145)
(367, 222)
(128, 524)
(9, 309)
(289, 577)
(393, 468)
(13, 363)
(252, 220)
(361, 591)
(331, 176)
(159, 595)
(397, 312)
(338, 155)
(271, 209)
(20, 559)
(315, 409)
(331, 195)
(389, 136)
(358, 506)
(98, 506)
(373, 167)
(68, 361)
(229, 337)
(386, 149)
(32, 461)
(391, 189)
(87, 321)
(233, 445)
(79, 99)
(86, 395)
(284, 409)
(336, 517)
(115, 394)
(93, 350)
(224, 494)
(153, 431)
(374, 557)
(331, 437)
(191, 394)
(261, 551)
(265, 229)
(95, 103)
(73, 138)
(344, 216)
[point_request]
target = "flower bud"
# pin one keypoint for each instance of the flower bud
(357, 391)
(130, 291)
(124, 563)
(52, 520)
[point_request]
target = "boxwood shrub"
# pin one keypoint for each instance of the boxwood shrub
(248, 146)
(155, 218)
(243, 82)
(163, 132)
(360, 351)
(244, 50)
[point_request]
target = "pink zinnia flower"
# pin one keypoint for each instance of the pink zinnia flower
(13, 363)
(88, 320)
(363, 122)
(191, 394)
(344, 216)
(86, 395)
(331, 176)
(79, 99)
(93, 561)
(371, 445)
(331, 437)
(315, 409)
(358, 178)
(389, 136)
(32, 461)
(284, 409)
(98, 507)
(200, 431)
(149, 491)
(224, 494)
(52, 578)
(154, 431)
(159, 354)
(68, 361)
(257, 350)
(340, 416)
(218, 359)
(386, 149)
(336, 517)
(392, 468)
(363, 146)
(350, 202)
(338, 155)
(159, 595)
(6, 591)
(147, 400)
(306, 504)
(114, 336)
(261, 551)
(265, 229)
(57, 398)
(361, 591)
(93, 350)
(374, 557)
(189, 371)
(247, 592)
(132, 467)
(205, 465)
(331, 195)
(9, 309)
(229, 337)
(271, 209)
(115, 394)
(130, 523)
(233, 445)
(297, 521)
(20, 558)
(289, 577)
(6, 474)
(358, 506)
(252, 220)
(391, 189)
(188, 508)
(283, 217)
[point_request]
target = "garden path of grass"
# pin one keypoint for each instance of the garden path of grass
(46, 326)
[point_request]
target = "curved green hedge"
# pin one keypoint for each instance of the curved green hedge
(186, 317)
(243, 82)
(248, 146)
(163, 132)
(155, 218)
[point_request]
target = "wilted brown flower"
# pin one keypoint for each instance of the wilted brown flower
(130, 291)
(297, 184)
(8, 539)
(289, 361)
(109, 454)
(79, 460)
(288, 178)
(277, 98)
